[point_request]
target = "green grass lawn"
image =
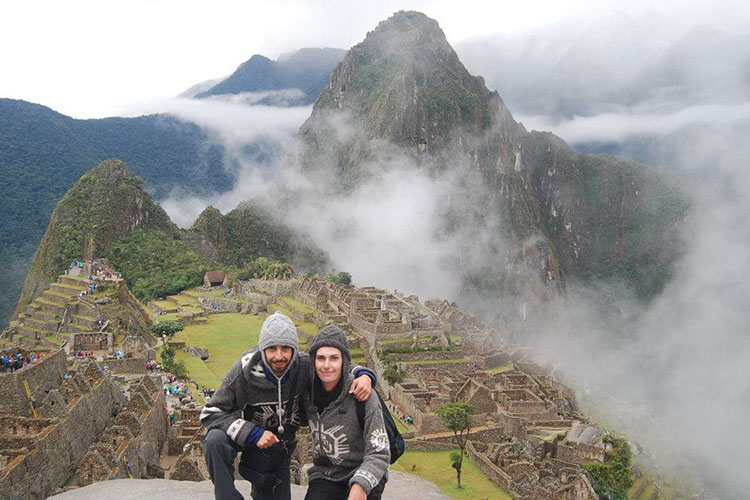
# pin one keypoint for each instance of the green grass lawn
(304, 309)
(164, 304)
(307, 329)
(160, 318)
(435, 466)
(226, 336)
(499, 369)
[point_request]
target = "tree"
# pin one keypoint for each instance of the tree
(458, 418)
(614, 477)
(342, 278)
(167, 328)
(176, 368)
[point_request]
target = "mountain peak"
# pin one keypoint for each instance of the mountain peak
(408, 34)
(104, 206)
(403, 84)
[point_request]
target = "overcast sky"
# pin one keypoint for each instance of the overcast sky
(96, 58)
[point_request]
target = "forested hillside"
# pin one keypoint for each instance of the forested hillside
(43, 153)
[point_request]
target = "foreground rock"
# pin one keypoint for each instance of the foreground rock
(400, 486)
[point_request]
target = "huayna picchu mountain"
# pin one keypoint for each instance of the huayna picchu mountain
(108, 213)
(549, 215)
(104, 207)
(43, 153)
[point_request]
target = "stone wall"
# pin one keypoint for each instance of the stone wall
(274, 288)
(424, 445)
(219, 305)
(425, 355)
(61, 447)
(132, 443)
(43, 376)
(91, 341)
(295, 314)
(493, 472)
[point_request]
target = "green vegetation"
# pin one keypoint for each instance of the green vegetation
(458, 418)
(167, 328)
(430, 465)
(436, 361)
(297, 305)
(500, 369)
(249, 232)
(198, 370)
(177, 368)
(99, 210)
(156, 265)
(407, 349)
(614, 477)
(402, 340)
(266, 269)
(342, 278)
(44, 153)
(392, 374)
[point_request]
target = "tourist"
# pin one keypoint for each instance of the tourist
(359, 470)
(267, 383)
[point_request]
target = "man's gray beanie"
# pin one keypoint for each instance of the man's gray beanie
(278, 329)
(331, 336)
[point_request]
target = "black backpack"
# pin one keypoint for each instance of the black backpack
(395, 439)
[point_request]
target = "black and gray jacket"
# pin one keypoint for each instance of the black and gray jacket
(344, 451)
(247, 388)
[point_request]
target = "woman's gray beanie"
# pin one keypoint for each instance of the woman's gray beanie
(331, 336)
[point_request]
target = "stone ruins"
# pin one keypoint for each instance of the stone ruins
(69, 423)
(80, 420)
(529, 437)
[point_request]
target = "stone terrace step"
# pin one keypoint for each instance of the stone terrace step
(86, 321)
(70, 280)
(45, 315)
(32, 309)
(30, 331)
(67, 289)
(56, 297)
(47, 305)
(41, 324)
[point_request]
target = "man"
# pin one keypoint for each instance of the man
(350, 444)
(256, 410)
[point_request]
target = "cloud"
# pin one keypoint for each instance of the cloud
(237, 120)
(255, 137)
(620, 127)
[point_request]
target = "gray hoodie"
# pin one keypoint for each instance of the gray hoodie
(342, 449)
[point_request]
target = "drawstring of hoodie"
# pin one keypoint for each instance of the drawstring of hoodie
(280, 409)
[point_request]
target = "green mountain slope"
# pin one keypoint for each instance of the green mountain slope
(105, 206)
(547, 214)
(307, 70)
(249, 232)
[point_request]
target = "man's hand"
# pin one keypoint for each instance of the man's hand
(267, 440)
(357, 492)
(361, 388)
